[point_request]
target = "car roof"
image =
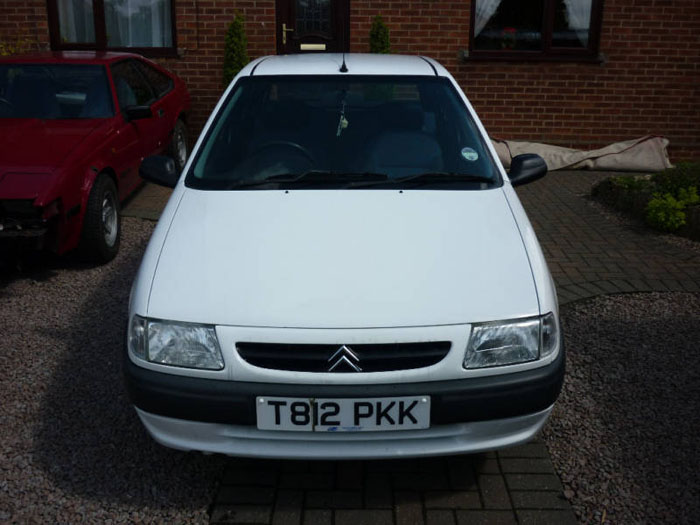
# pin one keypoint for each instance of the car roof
(356, 63)
(67, 57)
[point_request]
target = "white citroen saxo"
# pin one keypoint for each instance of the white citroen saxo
(343, 271)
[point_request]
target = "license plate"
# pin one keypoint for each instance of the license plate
(343, 415)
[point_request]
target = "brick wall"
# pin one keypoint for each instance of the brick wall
(201, 31)
(649, 82)
(24, 24)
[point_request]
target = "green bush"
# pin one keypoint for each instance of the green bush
(12, 48)
(666, 211)
(631, 182)
(235, 49)
(683, 175)
(379, 37)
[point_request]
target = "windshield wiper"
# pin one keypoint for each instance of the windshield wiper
(425, 178)
(313, 177)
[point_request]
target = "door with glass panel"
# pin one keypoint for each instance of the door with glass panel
(305, 26)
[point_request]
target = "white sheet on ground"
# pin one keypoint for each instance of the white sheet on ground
(643, 154)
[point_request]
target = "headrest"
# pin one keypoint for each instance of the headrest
(286, 115)
(403, 116)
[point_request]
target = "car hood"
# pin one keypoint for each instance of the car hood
(35, 145)
(342, 259)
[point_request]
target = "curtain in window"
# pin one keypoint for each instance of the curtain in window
(75, 21)
(578, 14)
(138, 23)
(485, 9)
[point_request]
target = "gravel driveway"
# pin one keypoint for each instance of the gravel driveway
(624, 435)
(71, 448)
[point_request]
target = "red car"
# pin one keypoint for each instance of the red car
(74, 127)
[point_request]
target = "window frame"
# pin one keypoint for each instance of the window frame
(547, 53)
(146, 66)
(100, 43)
(129, 62)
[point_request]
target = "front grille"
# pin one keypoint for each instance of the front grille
(321, 358)
(18, 214)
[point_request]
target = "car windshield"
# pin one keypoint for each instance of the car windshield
(54, 91)
(342, 132)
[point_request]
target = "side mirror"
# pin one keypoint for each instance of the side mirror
(526, 168)
(137, 112)
(159, 170)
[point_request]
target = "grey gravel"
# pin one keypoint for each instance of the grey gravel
(625, 434)
(71, 447)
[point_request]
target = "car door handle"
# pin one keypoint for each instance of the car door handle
(160, 112)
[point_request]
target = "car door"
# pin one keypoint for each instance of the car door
(132, 89)
(165, 107)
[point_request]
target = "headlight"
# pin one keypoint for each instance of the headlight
(510, 342)
(178, 344)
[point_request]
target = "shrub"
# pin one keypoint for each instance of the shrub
(12, 48)
(379, 37)
(235, 49)
(666, 211)
(684, 175)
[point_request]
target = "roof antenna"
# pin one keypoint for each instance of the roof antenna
(343, 67)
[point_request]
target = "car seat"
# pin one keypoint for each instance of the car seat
(403, 148)
(33, 97)
(97, 102)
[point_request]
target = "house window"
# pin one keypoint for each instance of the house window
(141, 25)
(536, 29)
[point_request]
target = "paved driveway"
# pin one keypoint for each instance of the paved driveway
(589, 254)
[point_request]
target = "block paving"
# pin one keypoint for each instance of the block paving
(517, 485)
(588, 254)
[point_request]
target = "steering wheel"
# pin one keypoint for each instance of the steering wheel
(287, 144)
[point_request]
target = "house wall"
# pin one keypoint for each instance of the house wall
(648, 82)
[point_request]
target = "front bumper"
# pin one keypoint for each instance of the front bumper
(467, 415)
(248, 441)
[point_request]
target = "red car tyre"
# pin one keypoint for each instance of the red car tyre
(102, 222)
(178, 145)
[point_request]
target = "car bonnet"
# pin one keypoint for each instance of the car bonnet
(342, 259)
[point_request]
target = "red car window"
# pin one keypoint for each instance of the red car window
(160, 82)
(54, 91)
(132, 88)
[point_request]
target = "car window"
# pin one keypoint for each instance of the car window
(54, 91)
(131, 86)
(387, 127)
(160, 82)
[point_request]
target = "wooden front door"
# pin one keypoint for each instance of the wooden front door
(305, 26)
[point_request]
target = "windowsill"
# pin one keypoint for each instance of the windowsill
(148, 52)
(524, 56)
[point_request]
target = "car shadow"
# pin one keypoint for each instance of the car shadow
(17, 264)
(88, 439)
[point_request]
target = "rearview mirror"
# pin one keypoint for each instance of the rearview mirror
(137, 112)
(526, 168)
(159, 170)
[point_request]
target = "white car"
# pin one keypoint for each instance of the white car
(343, 271)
